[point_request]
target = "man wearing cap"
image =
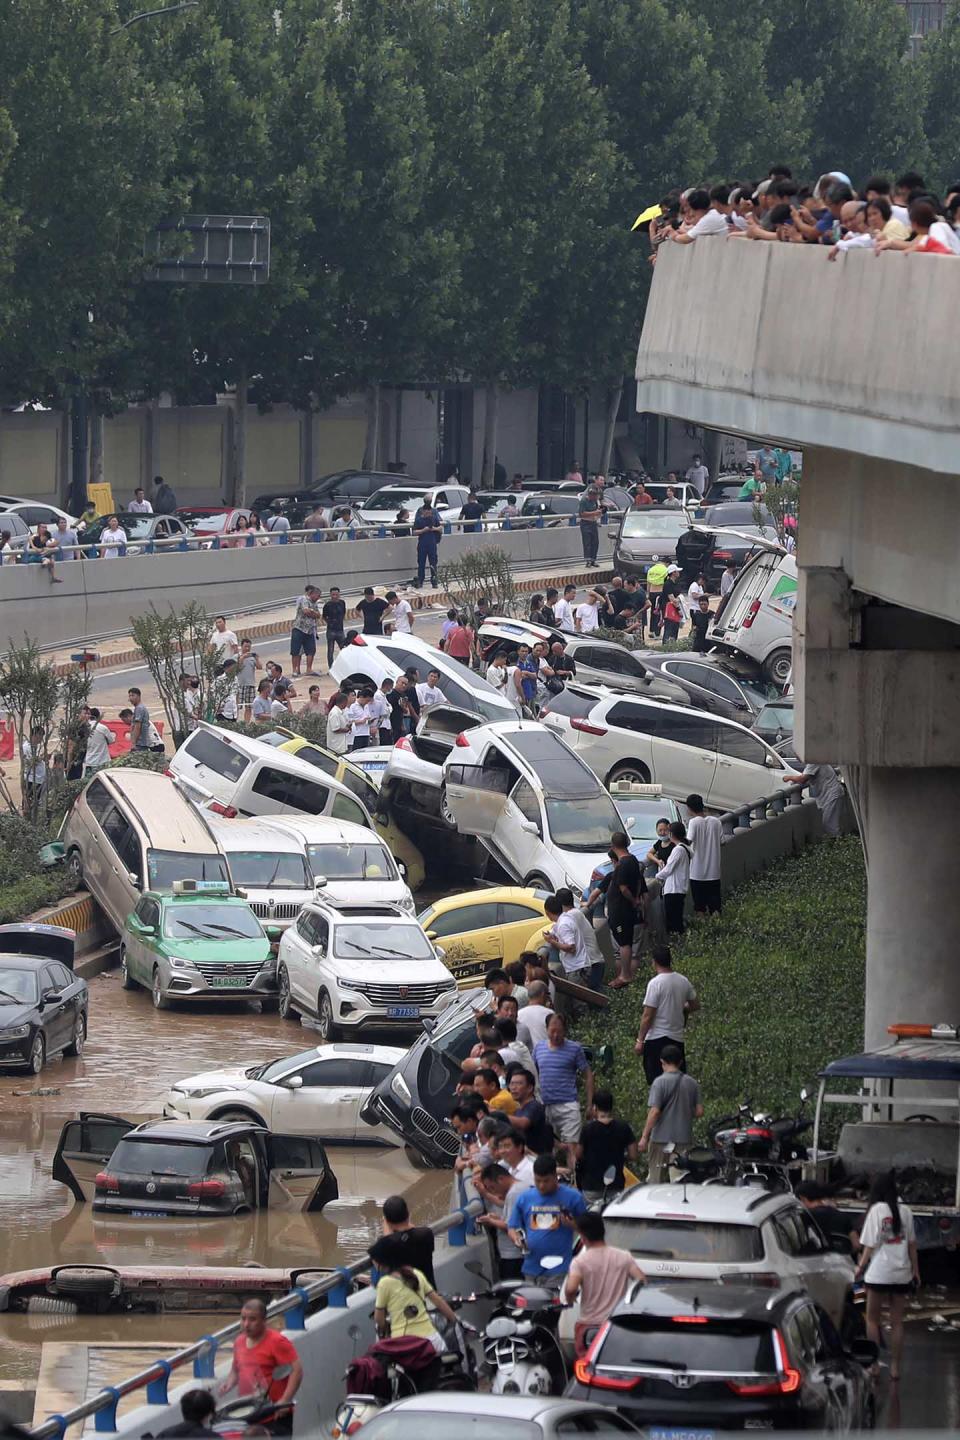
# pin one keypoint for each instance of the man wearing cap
(588, 514)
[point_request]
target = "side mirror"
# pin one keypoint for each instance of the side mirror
(294, 1082)
(51, 997)
(631, 821)
(319, 881)
(529, 827)
(804, 1094)
(771, 762)
(134, 879)
(431, 934)
(401, 868)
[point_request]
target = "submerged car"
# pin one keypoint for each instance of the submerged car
(182, 1170)
(200, 943)
(43, 1004)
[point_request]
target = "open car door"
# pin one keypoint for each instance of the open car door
(477, 797)
(84, 1149)
(300, 1174)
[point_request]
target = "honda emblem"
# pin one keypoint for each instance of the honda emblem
(683, 1382)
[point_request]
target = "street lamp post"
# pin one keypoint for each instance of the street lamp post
(148, 14)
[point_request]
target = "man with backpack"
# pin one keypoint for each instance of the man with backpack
(674, 1103)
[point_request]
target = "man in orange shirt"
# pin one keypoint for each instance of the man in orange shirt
(258, 1353)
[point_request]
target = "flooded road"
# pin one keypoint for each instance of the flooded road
(133, 1055)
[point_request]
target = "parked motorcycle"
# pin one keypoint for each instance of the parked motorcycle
(754, 1148)
(253, 1415)
(395, 1368)
(521, 1345)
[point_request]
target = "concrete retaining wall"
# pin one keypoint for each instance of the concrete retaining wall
(748, 851)
(97, 597)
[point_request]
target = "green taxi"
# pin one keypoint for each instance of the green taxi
(201, 942)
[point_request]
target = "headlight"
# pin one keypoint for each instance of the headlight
(269, 964)
(178, 963)
(399, 1087)
(19, 1032)
(407, 904)
(205, 1092)
(349, 984)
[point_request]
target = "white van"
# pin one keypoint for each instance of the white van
(345, 862)
(271, 868)
(231, 774)
(756, 618)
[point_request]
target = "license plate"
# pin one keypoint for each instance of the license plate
(148, 1214)
(679, 1432)
(374, 765)
(403, 1012)
(237, 982)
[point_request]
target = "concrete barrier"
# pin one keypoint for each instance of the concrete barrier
(777, 825)
(98, 597)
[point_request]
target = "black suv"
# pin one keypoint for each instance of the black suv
(701, 1358)
(347, 485)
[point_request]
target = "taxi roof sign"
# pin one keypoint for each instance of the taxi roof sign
(201, 887)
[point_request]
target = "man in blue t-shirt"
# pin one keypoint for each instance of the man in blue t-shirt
(543, 1220)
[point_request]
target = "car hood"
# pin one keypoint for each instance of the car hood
(13, 1015)
(216, 1079)
(580, 865)
(357, 891)
(401, 971)
(211, 951)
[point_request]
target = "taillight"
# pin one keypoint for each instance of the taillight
(757, 1132)
(404, 743)
(587, 728)
(206, 1189)
(358, 640)
(586, 1373)
(723, 554)
(169, 774)
(462, 741)
(751, 615)
(787, 1380)
(106, 1181)
(689, 1320)
(227, 811)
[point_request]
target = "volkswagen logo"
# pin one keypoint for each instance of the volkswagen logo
(151, 1188)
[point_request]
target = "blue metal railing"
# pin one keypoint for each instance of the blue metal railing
(202, 1354)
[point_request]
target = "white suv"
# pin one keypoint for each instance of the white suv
(380, 657)
(382, 506)
(737, 1235)
(351, 965)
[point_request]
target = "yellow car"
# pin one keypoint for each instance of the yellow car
(480, 929)
(344, 770)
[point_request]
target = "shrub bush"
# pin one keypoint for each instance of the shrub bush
(780, 978)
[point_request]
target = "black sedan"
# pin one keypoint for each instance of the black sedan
(43, 1011)
(675, 1357)
(559, 507)
(726, 534)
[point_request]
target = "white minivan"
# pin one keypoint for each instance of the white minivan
(756, 618)
(231, 774)
(269, 866)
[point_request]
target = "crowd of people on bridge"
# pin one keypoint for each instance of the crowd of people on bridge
(878, 214)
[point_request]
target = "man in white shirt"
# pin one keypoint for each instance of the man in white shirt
(223, 641)
(99, 739)
(402, 616)
(587, 618)
(359, 716)
(534, 1016)
(669, 999)
(280, 706)
(727, 580)
(512, 1155)
(277, 523)
(380, 716)
(698, 475)
(139, 505)
(430, 695)
(703, 220)
(338, 726)
(576, 939)
(563, 609)
(704, 833)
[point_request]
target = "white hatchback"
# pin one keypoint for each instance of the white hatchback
(317, 1092)
(351, 966)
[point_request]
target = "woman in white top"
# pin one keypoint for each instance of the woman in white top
(888, 1264)
(675, 879)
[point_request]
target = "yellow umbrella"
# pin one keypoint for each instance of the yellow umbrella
(651, 213)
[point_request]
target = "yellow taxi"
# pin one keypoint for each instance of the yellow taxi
(480, 929)
(344, 770)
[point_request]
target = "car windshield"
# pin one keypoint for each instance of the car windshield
(205, 519)
(159, 1157)
(700, 1241)
(638, 523)
(732, 1347)
(425, 1425)
(165, 867)
(739, 516)
(17, 987)
(273, 1070)
(392, 499)
(400, 941)
(644, 815)
(582, 824)
(351, 861)
(269, 870)
(203, 921)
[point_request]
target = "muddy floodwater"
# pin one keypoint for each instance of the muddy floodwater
(133, 1055)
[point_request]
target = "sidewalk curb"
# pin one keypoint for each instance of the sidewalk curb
(267, 629)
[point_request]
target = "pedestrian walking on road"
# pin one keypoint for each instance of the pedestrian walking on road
(333, 615)
(427, 527)
(599, 1277)
(675, 879)
(888, 1266)
(372, 610)
(705, 833)
(164, 499)
(674, 1103)
(277, 523)
(459, 643)
(589, 512)
(247, 666)
(338, 725)
(668, 1000)
(402, 615)
(303, 635)
(140, 505)
(699, 624)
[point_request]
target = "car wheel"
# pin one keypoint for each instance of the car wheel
(126, 980)
(75, 866)
(285, 1004)
(777, 667)
(247, 1116)
(631, 770)
(38, 1054)
(160, 1001)
(443, 807)
(538, 882)
(79, 1036)
(327, 1030)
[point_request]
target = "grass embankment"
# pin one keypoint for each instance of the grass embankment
(780, 978)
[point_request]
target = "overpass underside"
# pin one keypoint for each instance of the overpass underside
(856, 363)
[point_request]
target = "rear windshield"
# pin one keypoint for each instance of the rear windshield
(216, 755)
(166, 866)
(693, 1240)
(159, 1157)
(729, 1346)
(569, 702)
(269, 870)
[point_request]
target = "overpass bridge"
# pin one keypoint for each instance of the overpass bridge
(856, 363)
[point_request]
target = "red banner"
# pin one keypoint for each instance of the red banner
(119, 746)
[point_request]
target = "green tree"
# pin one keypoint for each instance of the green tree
(935, 81)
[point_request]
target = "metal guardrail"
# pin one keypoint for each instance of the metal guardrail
(155, 1380)
(768, 807)
(261, 539)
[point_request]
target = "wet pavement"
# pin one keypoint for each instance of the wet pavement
(133, 1055)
